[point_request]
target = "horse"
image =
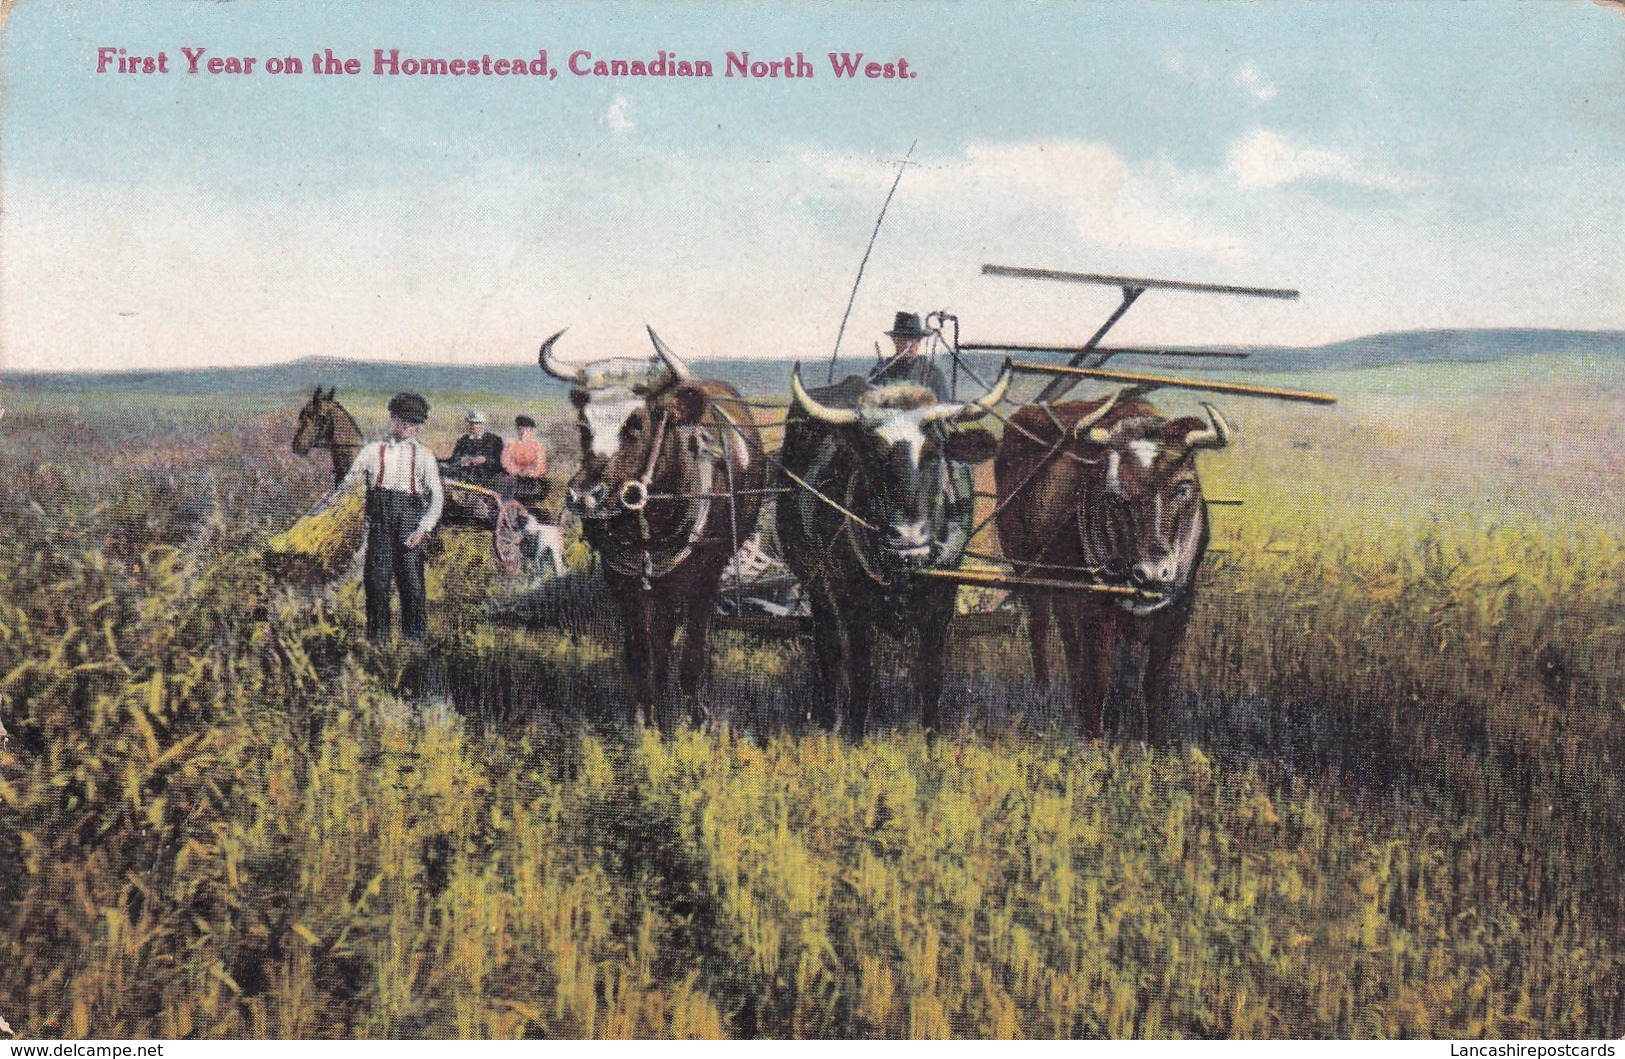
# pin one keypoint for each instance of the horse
(324, 424)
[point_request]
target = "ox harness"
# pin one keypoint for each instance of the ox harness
(649, 563)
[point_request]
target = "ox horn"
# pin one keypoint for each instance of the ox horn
(974, 410)
(545, 359)
(800, 398)
(672, 360)
(1085, 428)
(1215, 437)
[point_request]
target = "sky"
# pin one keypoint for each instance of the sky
(1403, 165)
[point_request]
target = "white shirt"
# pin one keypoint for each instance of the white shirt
(405, 465)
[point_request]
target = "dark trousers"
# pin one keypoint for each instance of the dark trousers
(391, 518)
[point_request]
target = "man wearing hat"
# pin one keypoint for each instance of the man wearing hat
(477, 453)
(906, 364)
(404, 500)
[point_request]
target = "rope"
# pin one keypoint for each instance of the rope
(733, 527)
(719, 496)
(859, 519)
(858, 543)
(1011, 424)
(788, 473)
(1025, 482)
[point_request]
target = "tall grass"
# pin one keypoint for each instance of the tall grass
(1387, 808)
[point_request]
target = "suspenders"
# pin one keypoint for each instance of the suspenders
(412, 467)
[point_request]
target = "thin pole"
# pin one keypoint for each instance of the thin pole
(836, 352)
(1058, 386)
(1133, 281)
(1156, 381)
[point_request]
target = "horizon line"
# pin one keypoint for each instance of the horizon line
(6, 372)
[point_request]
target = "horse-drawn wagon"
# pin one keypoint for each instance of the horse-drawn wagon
(509, 508)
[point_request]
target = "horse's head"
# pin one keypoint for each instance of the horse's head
(315, 429)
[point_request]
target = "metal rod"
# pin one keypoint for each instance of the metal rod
(836, 352)
(1166, 380)
(1058, 386)
(999, 579)
(1031, 564)
(1133, 281)
(753, 402)
(1115, 351)
(454, 484)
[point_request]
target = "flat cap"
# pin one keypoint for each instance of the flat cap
(409, 408)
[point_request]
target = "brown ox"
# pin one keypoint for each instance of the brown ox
(669, 487)
(1106, 492)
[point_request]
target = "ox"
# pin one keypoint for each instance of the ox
(884, 491)
(1106, 492)
(669, 486)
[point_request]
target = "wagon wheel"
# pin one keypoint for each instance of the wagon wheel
(508, 535)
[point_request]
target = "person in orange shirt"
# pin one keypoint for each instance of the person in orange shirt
(525, 457)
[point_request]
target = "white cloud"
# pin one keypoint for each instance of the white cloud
(1106, 201)
(616, 117)
(1266, 159)
(1197, 72)
(1256, 84)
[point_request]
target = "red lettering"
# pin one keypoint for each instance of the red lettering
(845, 65)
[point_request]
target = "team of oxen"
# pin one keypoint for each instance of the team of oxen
(1099, 511)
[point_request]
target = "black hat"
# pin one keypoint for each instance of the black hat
(409, 408)
(524, 421)
(907, 325)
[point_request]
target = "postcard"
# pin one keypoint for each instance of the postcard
(818, 521)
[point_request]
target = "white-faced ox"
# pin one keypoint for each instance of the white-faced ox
(884, 492)
(669, 485)
(1106, 493)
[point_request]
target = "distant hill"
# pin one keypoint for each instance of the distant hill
(769, 376)
(1458, 346)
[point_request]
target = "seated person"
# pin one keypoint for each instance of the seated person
(525, 457)
(477, 454)
(907, 363)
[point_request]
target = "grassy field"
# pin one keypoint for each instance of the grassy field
(1389, 804)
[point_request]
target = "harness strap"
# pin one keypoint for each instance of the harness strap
(644, 566)
(648, 476)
